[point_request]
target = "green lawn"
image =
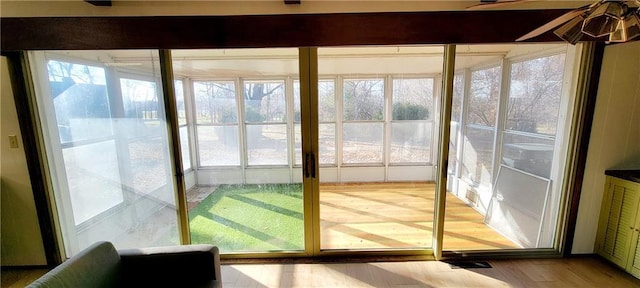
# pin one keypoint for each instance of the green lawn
(250, 218)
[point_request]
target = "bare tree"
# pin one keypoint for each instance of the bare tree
(535, 94)
(363, 99)
(485, 92)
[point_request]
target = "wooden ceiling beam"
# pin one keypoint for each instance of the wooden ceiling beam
(289, 30)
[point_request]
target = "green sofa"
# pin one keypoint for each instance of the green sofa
(101, 265)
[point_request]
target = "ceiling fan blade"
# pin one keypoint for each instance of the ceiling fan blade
(496, 4)
(554, 23)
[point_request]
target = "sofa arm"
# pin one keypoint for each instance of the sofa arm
(96, 266)
(173, 266)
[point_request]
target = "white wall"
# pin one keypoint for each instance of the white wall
(21, 241)
(615, 136)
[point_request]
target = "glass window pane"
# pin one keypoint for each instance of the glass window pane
(529, 114)
(529, 154)
(94, 168)
(327, 144)
(80, 100)
(534, 95)
(362, 143)
(264, 102)
(484, 95)
(412, 99)
(363, 100)
(296, 101)
(180, 105)
(218, 145)
(140, 99)
(363, 138)
(141, 105)
(458, 94)
(297, 145)
(478, 153)
(453, 148)
(326, 101)
(184, 147)
(109, 157)
(215, 102)
(64, 74)
(267, 144)
(148, 166)
(410, 142)
(252, 206)
(456, 118)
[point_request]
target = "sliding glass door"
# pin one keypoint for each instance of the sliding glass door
(376, 108)
(307, 152)
(507, 125)
(106, 141)
(248, 196)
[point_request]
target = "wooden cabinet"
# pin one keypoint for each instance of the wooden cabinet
(619, 226)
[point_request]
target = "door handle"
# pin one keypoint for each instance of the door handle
(309, 165)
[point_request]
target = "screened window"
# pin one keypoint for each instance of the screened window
(534, 95)
(456, 119)
(532, 115)
(363, 127)
(327, 119)
(265, 122)
(144, 111)
(83, 116)
(106, 140)
(140, 99)
(217, 119)
(411, 127)
(363, 100)
(80, 99)
(484, 95)
(182, 123)
(478, 143)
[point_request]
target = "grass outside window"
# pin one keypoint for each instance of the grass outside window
(239, 218)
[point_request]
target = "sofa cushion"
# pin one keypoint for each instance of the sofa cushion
(174, 266)
(96, 266)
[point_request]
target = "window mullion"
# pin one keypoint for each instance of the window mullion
(505, 71)
(242, 127)
(190, 111)
(387, 118)
(339, 123)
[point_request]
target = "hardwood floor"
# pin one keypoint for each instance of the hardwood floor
(394, 215)
(571, 272)
(574, 272)
(19, 277)
(398, 215)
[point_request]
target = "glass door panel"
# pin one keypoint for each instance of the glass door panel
(248, 195)
(183, 126)
(376, 139)
(105, 135)
(477, 86)
(503, 147)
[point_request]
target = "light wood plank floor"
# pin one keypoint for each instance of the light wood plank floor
(398, 215)
(574, 272)
(17, 278)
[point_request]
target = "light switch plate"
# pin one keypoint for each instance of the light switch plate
(13, 141)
